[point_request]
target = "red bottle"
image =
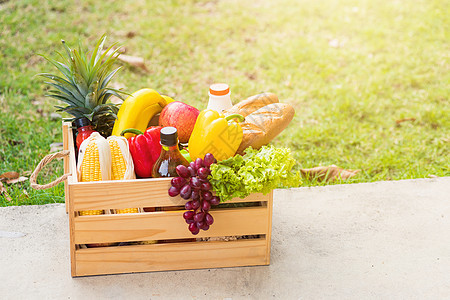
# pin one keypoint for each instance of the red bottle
(84, 129)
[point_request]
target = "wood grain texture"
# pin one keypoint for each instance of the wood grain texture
(119, 194)
(167, 225)
(161, 225)
(65, 131)
(72, 159)
(177, 256)
(72, 235)
(269, 227)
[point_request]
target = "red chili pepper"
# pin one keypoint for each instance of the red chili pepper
(145, 149)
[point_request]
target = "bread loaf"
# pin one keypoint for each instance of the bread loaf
(252, 104)
(264, 124)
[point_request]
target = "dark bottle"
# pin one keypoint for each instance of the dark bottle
(170, 156)
(166, 164)
(84, 130)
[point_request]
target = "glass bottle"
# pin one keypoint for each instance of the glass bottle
(84, 130)
(166, 164)
(219, 97)
(170, 156)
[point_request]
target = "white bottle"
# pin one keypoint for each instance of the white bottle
(219, 97)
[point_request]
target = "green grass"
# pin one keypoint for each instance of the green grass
(391, 62)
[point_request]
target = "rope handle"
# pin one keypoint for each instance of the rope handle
(47, 159)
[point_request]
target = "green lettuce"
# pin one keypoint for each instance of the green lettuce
(258, 171)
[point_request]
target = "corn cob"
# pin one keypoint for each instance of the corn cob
(117, 161)
(94, 163)
(122, 166)
(127, 211)
(90, 212)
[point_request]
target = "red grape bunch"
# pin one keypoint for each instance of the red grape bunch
(193, 185)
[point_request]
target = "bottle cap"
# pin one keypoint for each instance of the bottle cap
(219, 89)
(169, 136)
(83, 121)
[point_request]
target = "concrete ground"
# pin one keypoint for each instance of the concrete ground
(384, 240)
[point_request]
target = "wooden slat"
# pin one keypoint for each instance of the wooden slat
(65, 132)
(119, 194)
(178, 256)
(167, 225)
(72, 159)
(156, 226)
(269, 227)
(71, 230)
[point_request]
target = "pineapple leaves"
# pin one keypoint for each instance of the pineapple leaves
(64, 84)
(80, 67)
(77, 112)
(60, 98)
(109, 77)
(108, 109)
(84, 84)
(102, 68)
(97, 53)
(63, 92)
(90, 101)
(60, 66)
(104, 96)
(68, 51)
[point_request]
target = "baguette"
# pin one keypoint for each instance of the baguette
(252, 104)
(263, 125)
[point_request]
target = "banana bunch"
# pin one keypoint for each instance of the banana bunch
(138, 109)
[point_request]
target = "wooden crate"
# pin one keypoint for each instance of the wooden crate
(167, 227)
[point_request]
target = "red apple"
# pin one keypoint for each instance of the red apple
(181, 116)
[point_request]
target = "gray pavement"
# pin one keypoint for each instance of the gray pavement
(384, 240)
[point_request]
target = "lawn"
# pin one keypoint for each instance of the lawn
(352, 69)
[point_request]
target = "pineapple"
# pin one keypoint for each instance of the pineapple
(84, 86)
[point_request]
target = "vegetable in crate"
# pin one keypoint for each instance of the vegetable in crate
(145, 149)
(121, 164)
(138, 109)
(258, 171)
(84, 86)
(94, 162)
(216, 134)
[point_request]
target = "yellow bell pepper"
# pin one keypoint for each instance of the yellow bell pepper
(138, 109)
(216, 134)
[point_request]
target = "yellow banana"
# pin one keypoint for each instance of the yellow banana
(168, 99)
(137, 110)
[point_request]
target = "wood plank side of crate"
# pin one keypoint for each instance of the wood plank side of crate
(167, 225)
(65, 131)
(128, 259)
(122, 194)
(176, 256)
(71, 165)
(269, 226)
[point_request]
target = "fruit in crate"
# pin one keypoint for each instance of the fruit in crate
(138, 110)
(181, 116)
(84, 85)
(193, 185)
